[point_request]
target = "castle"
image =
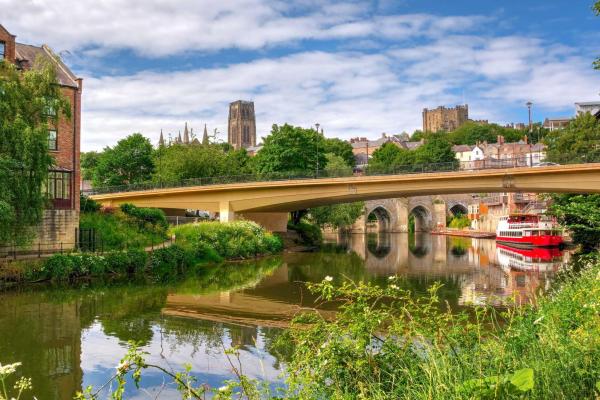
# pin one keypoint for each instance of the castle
(445, 119)
(241, 132)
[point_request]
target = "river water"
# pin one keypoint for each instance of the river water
(69, 337)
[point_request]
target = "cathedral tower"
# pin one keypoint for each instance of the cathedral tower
(242, 124)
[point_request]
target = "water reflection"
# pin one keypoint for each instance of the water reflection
(68, 338)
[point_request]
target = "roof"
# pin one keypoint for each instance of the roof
(29, 54)
(460, 148)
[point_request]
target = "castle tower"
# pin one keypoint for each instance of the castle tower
(186, 135)
(241, 132)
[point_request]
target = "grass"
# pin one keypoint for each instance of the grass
(118, 231)
(385, 344)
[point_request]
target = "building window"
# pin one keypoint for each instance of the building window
(59, 189)
(52, 142)
(50, 108)
(2, 49)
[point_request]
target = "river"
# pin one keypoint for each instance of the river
(69, 337)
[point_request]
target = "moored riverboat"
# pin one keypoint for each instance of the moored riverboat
(528, 230)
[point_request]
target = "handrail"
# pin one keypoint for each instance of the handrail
(322, 174)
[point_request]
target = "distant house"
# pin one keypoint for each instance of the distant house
(485, 154)
(556, 123)
(593, 107)
(364, 148)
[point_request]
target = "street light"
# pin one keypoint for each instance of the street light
(317, 125)
(529, 104)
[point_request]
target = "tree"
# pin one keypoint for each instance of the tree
(340, 148)
(130, 161)
(580, 214)
(89, 162)
(179, 162)
(337, 215)
(578, 142)
(437, 149)
(290, 149)
(337, 166)
(388, 157)
(30, 100)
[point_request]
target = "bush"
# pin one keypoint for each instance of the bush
(460, 222)
(239, 239)
(88, 205)
(153, 216)
(170, 261)
(310, 234)
(59, 266)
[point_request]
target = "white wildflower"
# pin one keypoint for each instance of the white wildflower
(9, 368)
(393, 287)
(223, 389)
(122, 366)
(328, 278)
(391, 278)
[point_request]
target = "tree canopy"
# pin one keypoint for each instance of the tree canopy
(337, 215)
(291, 149)
(30, 100)
(578, 142)
(340, 148)
(130, 161)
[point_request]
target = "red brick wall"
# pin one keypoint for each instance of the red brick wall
(9, 41)
(68, 137)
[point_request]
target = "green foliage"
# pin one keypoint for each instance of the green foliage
(291, 149)
(460, 222)
(390, 157)
(170, 261)
(130, 161)
(126, 262)
(118, 231)
(580, 214)
(24, 156)
(337, 215)
(340, 148)
(472, 132)
(579, 142)
(336, 166)
(152, 216)
(89, 162)
(386, 344)
(177, 162)
(88, 205)
(239, 239)
(310, 234)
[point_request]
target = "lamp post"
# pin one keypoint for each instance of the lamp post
(529, 104)
(317, 138)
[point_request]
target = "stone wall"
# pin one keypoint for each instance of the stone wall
(58, 226)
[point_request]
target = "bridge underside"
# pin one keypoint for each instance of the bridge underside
(286, 196)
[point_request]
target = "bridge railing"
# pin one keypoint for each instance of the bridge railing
(321, 174)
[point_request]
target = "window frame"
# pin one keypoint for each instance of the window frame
(55, 148)
(59, 189)
(3, 47)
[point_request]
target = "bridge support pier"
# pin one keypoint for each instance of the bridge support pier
(226, 214)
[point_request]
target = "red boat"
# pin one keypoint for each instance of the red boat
(529, 230)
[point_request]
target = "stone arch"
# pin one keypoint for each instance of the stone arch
(423, 218)
(383, 215)
(457, 208)
(379, 245)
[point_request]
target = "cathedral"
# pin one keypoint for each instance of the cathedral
(241, 132)
(188, 137)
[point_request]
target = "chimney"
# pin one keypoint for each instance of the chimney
(500, 139)
(525, 139)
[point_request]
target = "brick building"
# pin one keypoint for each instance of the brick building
(363, 148)
(445, 119)
(241, 132)
(62, 218)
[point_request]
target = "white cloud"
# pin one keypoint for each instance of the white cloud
(161, 27)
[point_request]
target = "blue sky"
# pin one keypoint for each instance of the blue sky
(358, 68)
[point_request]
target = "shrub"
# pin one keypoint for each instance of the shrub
(239, 239)
(59, 266)
(88, 205)
(309, 233)
(153, 216)
(170, 261)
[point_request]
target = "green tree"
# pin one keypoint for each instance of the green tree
(179, 162)
(28, 99)
(337, 166)
(89, 162)
(436, 149)
(390, 156)
(337, 215)
(580, 214)
(290, 149)
(579, 142)
(340, 148)
(130, 161)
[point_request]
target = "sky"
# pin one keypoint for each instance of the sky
(358, 68)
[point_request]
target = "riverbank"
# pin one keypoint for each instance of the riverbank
(410, 349)
(193, 246)
(465, 233)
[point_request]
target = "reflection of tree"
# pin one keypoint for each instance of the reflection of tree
(379, 244)
(314, 267)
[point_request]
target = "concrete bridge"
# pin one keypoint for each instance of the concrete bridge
(269, 202)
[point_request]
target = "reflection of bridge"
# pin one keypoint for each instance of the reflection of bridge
(267, 202)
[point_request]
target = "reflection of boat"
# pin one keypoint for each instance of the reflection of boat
(528, 230)
(532, 259)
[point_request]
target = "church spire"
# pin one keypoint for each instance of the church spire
(161, 140)
(179, 138)
(205, 136)
(186, 135)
